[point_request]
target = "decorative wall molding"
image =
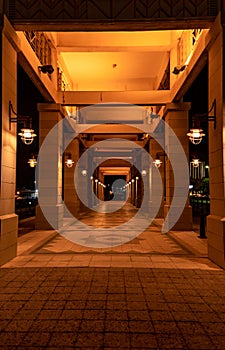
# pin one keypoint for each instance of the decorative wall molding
(111, 13)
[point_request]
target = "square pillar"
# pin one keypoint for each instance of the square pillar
(8, 237)
(155, 148)
(71, 199)
(215, 228)
(10, 45)
(176, 117)
(50, 188)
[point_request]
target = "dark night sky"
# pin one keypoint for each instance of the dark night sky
(198, 96)
(28, 97)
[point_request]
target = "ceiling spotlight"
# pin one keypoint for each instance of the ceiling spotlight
(47, 68)
(145, 136)
(153, 116)
(179, 69)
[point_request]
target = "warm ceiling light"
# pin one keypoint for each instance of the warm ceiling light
(157, 163)
(195, 135)
(27, 133)
(84, 172)
(195, 162)
(143, 172)
(145, 136)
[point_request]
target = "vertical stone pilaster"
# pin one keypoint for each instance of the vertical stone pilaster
(155, 148)
(176, 116)
(132, 186)
(50, 189)
(84, 182)
(216, 219)
(71, 199)
(10, 45)
(138, 179)
(144, 179)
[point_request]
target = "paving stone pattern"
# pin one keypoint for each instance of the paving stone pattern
(111, 308)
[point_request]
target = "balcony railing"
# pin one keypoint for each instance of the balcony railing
(40, 45)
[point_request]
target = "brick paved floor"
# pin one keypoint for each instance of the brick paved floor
(154, 292)
(112, 308)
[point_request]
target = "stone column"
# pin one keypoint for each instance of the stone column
(101, 188)
(50, 189)
(176, 116)
(132, 186)
(138, 179)
(133, 191)
(216, 219)
(84, 182)
(155, 148)
(71, 199)
(10, 45)
(90, 179)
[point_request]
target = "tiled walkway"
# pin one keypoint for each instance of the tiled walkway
(149, 249)
(155, 292)
(112, 308)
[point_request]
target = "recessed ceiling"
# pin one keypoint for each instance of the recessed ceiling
(106, 66)
(108, 61)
